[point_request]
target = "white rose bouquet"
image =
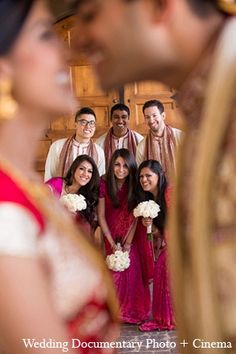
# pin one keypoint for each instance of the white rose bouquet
(147, 209)
(118, 261)
(74, 202)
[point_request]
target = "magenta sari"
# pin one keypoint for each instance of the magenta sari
(132, 285)
(163, 316)
(162, 309)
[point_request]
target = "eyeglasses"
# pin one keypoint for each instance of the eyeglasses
(84, 122)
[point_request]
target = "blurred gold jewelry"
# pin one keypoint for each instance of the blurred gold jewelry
(227, 6)
(8, 105)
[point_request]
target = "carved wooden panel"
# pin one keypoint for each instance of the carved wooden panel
(138, 93)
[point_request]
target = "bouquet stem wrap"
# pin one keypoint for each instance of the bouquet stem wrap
(147, 209)
(149, 232)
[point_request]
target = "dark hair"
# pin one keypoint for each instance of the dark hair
(203, 8)
(154, 103)
(89, 191)
(131, 178)
(155, 167)
(13, 14)
(74, 4)
(84, 110)
(120, 107)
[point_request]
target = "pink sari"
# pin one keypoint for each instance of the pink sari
(87, 316)
(131, 285)
(162, 310)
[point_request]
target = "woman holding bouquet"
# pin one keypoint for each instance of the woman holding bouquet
(152, 185)
(82, 178)
(116, 203)
(54, 283)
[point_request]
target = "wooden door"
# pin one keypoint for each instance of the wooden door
(88, 93)
(138, 93)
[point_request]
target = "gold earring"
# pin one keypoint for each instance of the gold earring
(227, 6)
(8, 105)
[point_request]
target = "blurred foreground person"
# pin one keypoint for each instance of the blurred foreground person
(54, 285)
(189, 45)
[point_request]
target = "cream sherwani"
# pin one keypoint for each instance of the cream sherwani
(119, 143)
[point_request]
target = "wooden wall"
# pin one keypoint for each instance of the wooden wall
(88, 93)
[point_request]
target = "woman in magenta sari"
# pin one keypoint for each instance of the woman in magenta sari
(54, 283)
(81, 178)
(115, 215)
(153, 185)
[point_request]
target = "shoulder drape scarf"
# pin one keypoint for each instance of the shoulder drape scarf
(162, 149)
(66, 157)
(109, 145)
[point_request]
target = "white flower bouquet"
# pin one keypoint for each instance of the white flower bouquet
(147, 209)
(118, 261)
(74, 202)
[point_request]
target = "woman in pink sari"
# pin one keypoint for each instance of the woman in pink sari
(54, 283)
(115, 215)
(153, 185)
(81, 178)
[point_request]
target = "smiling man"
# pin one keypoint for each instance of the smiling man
(162, 140)
(64, 151)
(188, 45)
(119, 135)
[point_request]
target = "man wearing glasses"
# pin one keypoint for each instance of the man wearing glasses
(119, 135)
(64, 151)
